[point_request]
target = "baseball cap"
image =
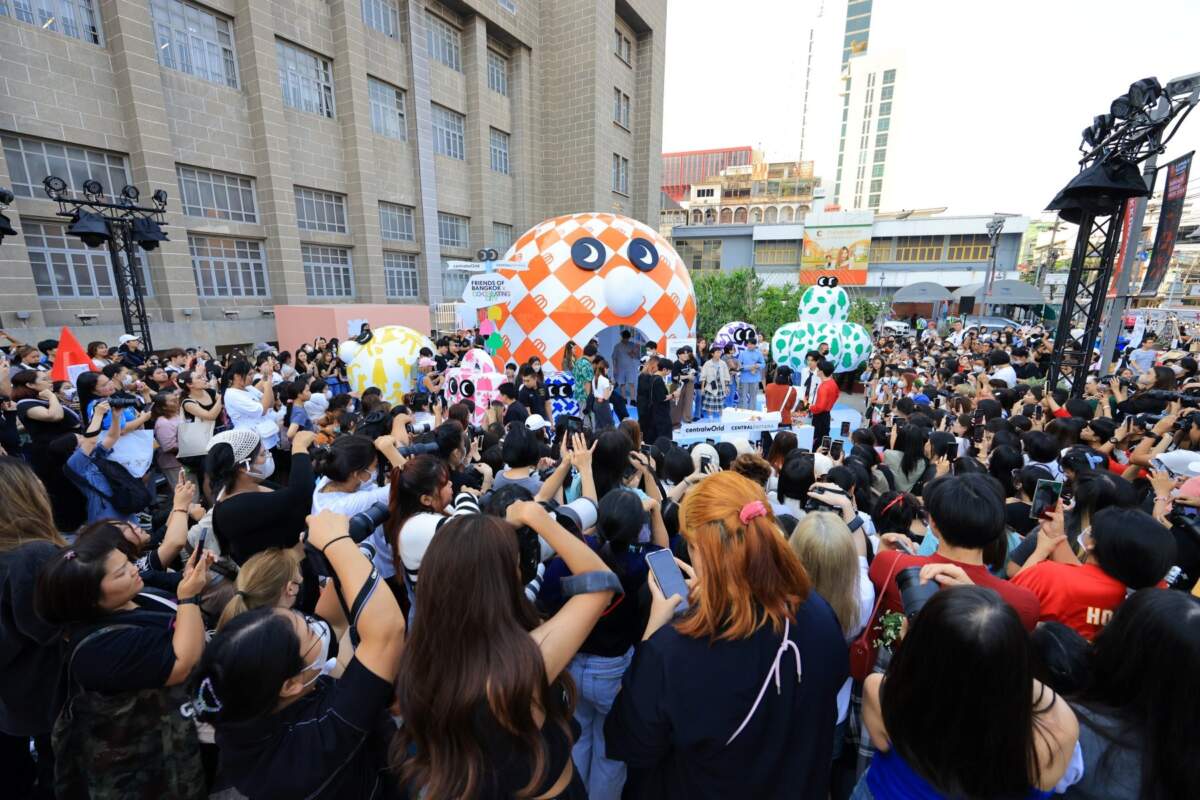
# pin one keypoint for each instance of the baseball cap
(921, 399)
(535, 422)
(242, 440)
(1182, 462)
(126, 338)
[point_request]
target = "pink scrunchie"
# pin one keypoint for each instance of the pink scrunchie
(752, 510)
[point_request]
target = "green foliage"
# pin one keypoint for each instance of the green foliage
(776, 306)
(864, 312)
(723, 297)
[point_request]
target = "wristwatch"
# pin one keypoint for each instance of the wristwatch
(193, 600)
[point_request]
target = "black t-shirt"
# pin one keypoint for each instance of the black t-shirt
(135, 655)
(1027, 370)
(644, 382)
(1016, 515)
(516, 412)
(533, 399)
(30, 648)
(331, 743)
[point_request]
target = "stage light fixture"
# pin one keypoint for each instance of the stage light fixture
(92, 229)
(147, 233)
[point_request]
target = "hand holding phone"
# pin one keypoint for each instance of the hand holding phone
(826, 443)
(835, 450)
(668, 578)
(1045, 498)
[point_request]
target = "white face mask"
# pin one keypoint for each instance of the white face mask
(369, 482)
(263, 471)
(323, 664)
(328, 393)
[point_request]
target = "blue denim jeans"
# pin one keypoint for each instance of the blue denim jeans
(862, 791)
(599, 680)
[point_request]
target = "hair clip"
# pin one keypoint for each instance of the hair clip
(753, 509)
(70, 555)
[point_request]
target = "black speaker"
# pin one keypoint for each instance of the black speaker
(966, 305)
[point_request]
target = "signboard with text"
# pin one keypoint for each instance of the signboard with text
(486, 289)
(1168, 224)
(837, 242)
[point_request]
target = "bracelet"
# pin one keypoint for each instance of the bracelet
(194, 600)
(179, 511)
(336, 539)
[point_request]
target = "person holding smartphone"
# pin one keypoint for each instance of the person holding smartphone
(683, 723)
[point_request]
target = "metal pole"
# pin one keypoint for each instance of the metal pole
(1117, 306)
(993, 228)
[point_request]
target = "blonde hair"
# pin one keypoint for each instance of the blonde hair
(825, 546)
(750, 577)
(261, 581)
(25, 514)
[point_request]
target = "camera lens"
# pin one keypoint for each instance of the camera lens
(914, 594)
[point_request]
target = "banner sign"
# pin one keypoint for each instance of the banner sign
(675, 342)
(720, 430)
(1126, 224)
(486, 289)
(1168, 223)
(838, 242)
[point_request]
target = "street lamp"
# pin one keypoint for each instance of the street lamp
(993, 230)
(123, 226)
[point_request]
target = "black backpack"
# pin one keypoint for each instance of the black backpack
(128, 494)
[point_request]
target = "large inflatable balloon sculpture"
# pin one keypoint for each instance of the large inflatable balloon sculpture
(561, 388)
(736, 334)
(476, 381)
(823, 313)
(385, 357)
(587, 272)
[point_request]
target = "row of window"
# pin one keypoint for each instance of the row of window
(620, 173)
(621, 104)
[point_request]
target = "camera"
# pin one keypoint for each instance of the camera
(914, 594)
(1188, 399)
(421, 449)
(320, 564)
(123, 400)
(1187, 421)
(813, 504)
(364, 523)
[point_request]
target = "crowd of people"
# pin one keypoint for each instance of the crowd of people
(231, 576)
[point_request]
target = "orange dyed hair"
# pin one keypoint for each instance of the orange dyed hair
(750, 577)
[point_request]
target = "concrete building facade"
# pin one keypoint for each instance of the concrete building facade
(313, 151)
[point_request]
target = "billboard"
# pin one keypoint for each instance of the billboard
(837, 243)
(1168, 224)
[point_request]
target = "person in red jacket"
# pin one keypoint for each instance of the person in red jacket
(827, 395)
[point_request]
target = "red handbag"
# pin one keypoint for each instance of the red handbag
(862, 649)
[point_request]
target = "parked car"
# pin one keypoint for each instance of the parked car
(989, 325)
(897, 327)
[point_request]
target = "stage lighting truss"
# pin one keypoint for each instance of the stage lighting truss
(1135, 127)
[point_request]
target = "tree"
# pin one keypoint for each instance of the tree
(776, 306)
(864, 311)
(723, 297)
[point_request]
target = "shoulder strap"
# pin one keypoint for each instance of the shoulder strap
(863, 637)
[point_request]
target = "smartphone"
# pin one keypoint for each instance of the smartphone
(835, 449)
(199, 551)
(1045, 498)
(704, 462)
(1158, 466)
(887, 407)
(669, 577)
(845, 429)
(952, 453)
(977, 434)
(645, 448)
(825, 443)
(977, 418)
(1037, 411)
(574, 424)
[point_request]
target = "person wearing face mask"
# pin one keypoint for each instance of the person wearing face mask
(284, 728)
(121, 733)
(347, 481)
(45, 419)
(248, 515)
(135, 449)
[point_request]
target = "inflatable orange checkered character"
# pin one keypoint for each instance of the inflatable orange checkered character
(588, 272)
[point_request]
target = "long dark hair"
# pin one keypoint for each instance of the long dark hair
(619, 520)
(1137, 663)
(423, 475)
(472, 653)
(910, 442)
(966, 631)
(610, 460)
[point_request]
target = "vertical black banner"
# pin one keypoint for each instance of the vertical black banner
(1168, 223)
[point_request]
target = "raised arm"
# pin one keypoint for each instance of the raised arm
(188, 640)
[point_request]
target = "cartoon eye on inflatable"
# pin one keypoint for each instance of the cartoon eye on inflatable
(642, 254)
(589, 254)
(467, 388)
(740, 334)
(452, 386)
(822, 281)
(828, 281)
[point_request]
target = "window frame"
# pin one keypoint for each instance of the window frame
(622, 109)
(405, 219)
(294, 85)
(68, 263)
(400, 275)
(443, 41)
(497, 72)
(448, 223)
(445, 137)
(391, 106)
(509, 238)
(329, 270)
(329, 207)
(205, 182)
(620, 174)
(183, 22)
(65, 18)
(498, 150)
(247, 259)
(75, 164)
(381, 12)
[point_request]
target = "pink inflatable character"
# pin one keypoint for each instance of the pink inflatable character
(476, 382)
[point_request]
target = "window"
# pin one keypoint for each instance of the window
(445, 42)
(884, 124)
(502, 236)
(63, 266)
(387, 109)
(228, 267)
(873, 202)
(509, 6)
(877, 185)
(396, 222)
(454, 231)
(454, 281)
(623, 47)
(448, 128)
(620, 107)
(75, 18)
(30, 161)
(885, 108)
(700, 254)
(327, 271)
(383, 16)
(782, 252)
(193, 40)
(918, 248)
(881, 140)
(889, 76)
(620, 174)
(499, 149)
(497, 69)
(880, 154)
(216, 195)
(881, 250)
(705, 192)
(320, 211)
(400, 274)
(886, 92)
(305, 78)
(968, 247)
(877, 171)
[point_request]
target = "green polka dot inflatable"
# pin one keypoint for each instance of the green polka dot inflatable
(823, 312)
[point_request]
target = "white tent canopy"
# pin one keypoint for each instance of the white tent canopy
(922, 292)
(1004, 293)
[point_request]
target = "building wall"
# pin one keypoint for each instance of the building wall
(117, 97)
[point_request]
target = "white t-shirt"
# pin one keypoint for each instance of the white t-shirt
(351, 503)
(1007, 374)
(602, 388)
(244, 407)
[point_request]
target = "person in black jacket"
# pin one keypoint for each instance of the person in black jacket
(514, 409)
(30, 657)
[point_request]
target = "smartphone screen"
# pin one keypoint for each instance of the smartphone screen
(574, 424)
(825, 443)
(1037, 411)
(952, 453)
(835, 449)
(977, 434)
(845, 428)
(704, 462)
(977, 418)
(645, 448)
(1045, 498)
(669, 578)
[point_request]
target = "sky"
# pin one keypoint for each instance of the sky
(999, 91)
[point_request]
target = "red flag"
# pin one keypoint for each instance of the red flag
(71, 359)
